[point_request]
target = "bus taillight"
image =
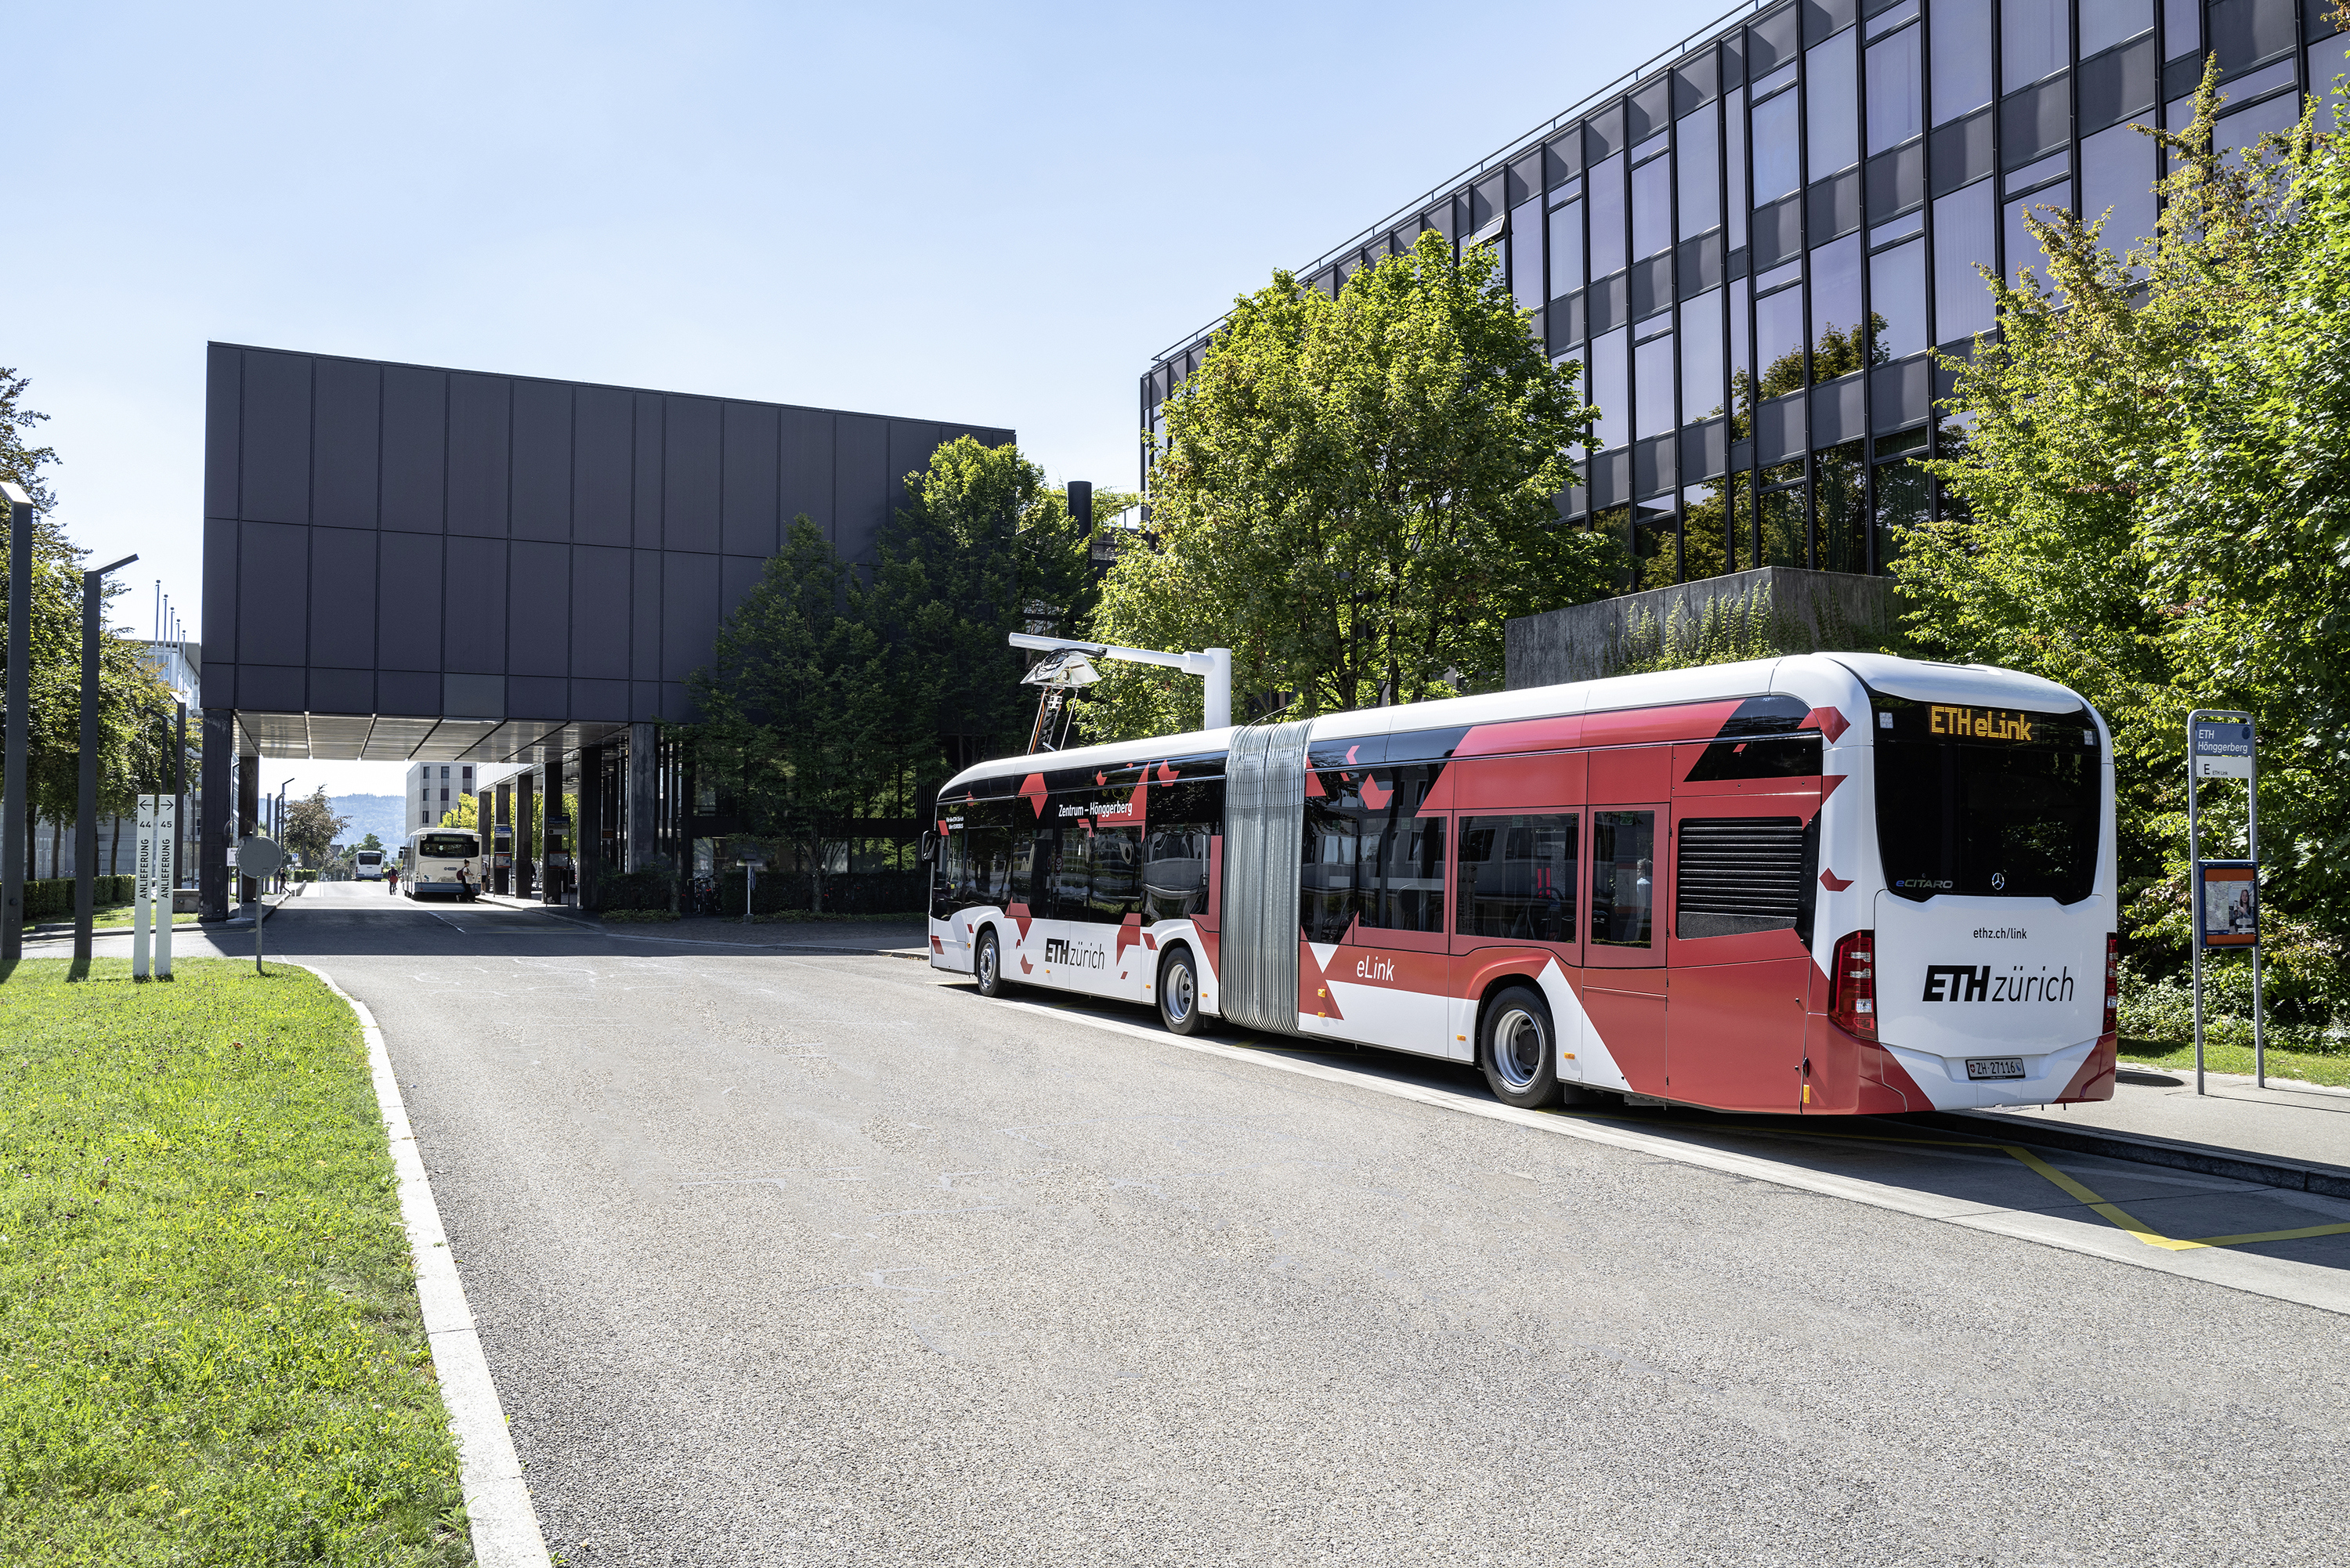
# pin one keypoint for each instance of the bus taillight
(1852, 992)
(2112, 984)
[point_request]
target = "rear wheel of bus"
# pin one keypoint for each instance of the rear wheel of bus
(1518, 1049)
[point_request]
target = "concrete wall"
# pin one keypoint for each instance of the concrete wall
(1794, 610)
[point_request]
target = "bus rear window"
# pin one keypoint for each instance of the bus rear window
(1988, 803)
(449, 846)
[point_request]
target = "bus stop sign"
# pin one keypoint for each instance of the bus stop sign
(2222, 749)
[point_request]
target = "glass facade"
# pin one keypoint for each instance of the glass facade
(1751, 247)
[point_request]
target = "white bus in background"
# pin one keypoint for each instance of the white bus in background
(441, 861)
(366, 865)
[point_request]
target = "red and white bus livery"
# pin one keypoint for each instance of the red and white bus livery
(1830, 883)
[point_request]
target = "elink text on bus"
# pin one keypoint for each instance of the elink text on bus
(1827, 883)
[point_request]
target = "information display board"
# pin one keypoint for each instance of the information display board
(2227, 903)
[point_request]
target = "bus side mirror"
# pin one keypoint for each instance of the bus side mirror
(929, 849)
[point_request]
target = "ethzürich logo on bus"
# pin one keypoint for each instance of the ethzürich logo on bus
(1975, 982)
(1058, 950)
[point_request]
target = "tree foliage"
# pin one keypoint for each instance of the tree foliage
(2152, 495)
(136, 714)
(1354, 496)
(312, 827)
(838, 695)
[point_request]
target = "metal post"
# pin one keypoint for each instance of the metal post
(178, 787)
(20, 688)
(93, 604)
(2252, 852)
(2195, 893)
(1217, 708)
(641, 796)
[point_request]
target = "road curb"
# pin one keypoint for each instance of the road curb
(2268, 1170)
(497, 1501)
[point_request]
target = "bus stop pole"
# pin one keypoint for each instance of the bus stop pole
(2252, 849)
(2195, 892)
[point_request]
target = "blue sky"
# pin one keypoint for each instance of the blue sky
(987, 213)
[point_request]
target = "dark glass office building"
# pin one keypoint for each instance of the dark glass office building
(1708, 234)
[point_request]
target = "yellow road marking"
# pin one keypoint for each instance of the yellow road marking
(2121, 1218)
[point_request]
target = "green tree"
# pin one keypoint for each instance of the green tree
(982, 548)
(135, 712)
(790, 722)
(466, 814)
(371, 842)
(1354, 496)
(311, 825)
(2151, 500)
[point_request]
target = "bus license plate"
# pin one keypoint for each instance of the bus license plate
(1994, 1067)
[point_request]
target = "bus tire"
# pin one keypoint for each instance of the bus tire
(987, 965)
(1178, 992)
(1517, 1048)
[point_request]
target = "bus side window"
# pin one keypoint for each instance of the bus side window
(1517, 878)
(1623, 878)
(1174, 873)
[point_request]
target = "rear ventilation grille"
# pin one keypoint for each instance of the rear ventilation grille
(1739, 875)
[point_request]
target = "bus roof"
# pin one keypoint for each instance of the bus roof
(1821, 678)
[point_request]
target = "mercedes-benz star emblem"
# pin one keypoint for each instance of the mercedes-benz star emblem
(1998, 881)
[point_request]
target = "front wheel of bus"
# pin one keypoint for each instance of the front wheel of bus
(987, 965)
(1178, 993)
(1519, 1050)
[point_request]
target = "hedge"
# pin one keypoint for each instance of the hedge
(52, 898)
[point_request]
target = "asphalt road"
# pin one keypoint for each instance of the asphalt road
(807, 1257)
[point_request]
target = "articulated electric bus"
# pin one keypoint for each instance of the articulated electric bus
(1839, 883)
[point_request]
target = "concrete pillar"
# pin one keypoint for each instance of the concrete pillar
(248, 820)
(644, 794)
(501, 877)
(525, 802)
(587, 832)
(216, 831)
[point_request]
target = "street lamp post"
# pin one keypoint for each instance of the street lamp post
(20, 694)
(93, 606)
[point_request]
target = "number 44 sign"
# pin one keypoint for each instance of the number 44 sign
(2222, 749)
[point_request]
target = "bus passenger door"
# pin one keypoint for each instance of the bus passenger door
(1624, 935)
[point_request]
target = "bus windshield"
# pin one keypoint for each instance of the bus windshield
(448, 846)
(1987, 802)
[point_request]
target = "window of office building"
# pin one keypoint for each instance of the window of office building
(1652, 208)
(1896, 108)
(1836, 305)
(1701, 360)
(1604, 189)
(1897, 299)
(1698, 154)
(1652, 384)
(1566, 249)
(1610, 388)
(1733, 163)
(1965, 233)
(1778, 167)
(2033, 41)
(2105, 23)
(1961, 57)
(1832, 115)
(1526, 263)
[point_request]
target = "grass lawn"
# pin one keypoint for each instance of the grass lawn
(2177, 1055)
(210, 1349)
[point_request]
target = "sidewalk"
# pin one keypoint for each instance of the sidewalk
(883, 935)
(2291, 1134)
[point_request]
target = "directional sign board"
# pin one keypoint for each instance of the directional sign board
(257, 857)
(2222, 749)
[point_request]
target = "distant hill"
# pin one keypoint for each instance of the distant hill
(375, 814)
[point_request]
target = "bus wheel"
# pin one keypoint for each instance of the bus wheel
(987, 966)
(1178, 993)
(1519, 1050)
